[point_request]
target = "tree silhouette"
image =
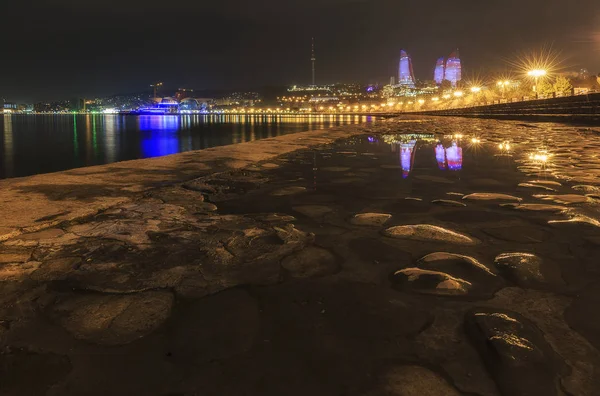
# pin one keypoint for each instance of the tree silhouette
(544, 88)
(563, 86)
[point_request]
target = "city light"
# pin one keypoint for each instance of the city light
(475, 89)
(539, 63)
(421, 101)
(435, 99)
(446, 96)
(458, 94)
(537, 73)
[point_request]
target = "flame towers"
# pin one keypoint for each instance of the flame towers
(450, 70)
(453, 68)
(440, 71)
(405, 70)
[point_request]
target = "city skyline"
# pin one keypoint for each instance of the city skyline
(269, 43)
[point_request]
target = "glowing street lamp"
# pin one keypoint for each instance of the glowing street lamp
(475, 89)
(536, 74)
(458, 94)
(503, 85)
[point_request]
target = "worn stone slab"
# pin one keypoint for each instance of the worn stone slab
(77, 193)
(429, 233)
(370, 219)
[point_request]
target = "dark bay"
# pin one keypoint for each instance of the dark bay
(34, 144)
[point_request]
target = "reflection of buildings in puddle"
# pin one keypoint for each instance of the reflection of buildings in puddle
(408, 137)
(447, 158)
(454, 154)
(440, 156)
(406, 157)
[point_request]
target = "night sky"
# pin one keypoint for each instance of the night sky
(67, 48)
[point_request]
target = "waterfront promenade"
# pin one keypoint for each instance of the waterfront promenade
(415, 256)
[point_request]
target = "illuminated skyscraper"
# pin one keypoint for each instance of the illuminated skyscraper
(453, 68)
(405, 70)
(440, 71)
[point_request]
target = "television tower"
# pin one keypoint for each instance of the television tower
(313, 59)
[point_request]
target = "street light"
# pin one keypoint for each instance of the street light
(536, 74)
(503, 85)
(458, 94)
(475, 89)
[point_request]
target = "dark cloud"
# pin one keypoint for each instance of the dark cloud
(71, 48)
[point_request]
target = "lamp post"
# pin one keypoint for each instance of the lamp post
(503, 85)
(536, 74)
(476, 91)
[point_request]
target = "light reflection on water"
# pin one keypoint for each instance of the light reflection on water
(448, 155)
(571, 162)
(32, 144)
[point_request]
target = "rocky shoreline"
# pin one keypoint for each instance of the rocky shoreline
(317, 263)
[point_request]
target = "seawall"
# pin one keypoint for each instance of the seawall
(580, 108)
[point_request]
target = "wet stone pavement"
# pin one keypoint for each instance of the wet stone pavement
(427, 257)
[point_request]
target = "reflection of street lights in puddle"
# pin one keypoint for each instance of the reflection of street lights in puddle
(505, 148)
(475, 142)
(541, 157)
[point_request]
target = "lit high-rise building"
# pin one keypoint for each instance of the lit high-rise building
(453, 68)
(405, 70)
(440, 71)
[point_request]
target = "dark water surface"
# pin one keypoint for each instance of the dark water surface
(33, 144)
